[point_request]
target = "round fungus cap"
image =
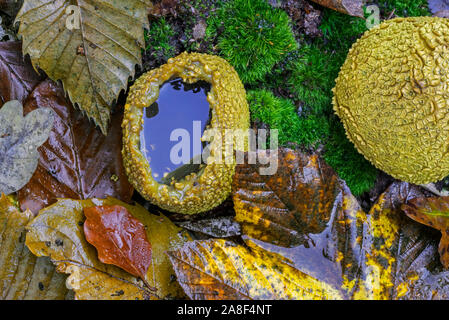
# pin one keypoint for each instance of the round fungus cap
(392, 95)
(198, 191)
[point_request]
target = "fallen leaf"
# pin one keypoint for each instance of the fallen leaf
(163, 8)
(199, 30)
(351, 7)
(433, 212)
(77, 161)
(221, 227)
(23, 276)
(436, 6)
(307, 215)
(57, 232)
(17, 75)
(110, 36)
(221, 270)
(442, 14)
(119, 238)
(19, 139)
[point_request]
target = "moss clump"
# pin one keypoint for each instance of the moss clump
(350, 165)
(253, 36)
(281, 114)
(311, 79)
(405, 8)
(158, 40)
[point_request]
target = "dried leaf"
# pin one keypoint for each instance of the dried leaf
(17, 76)
(436, 6)
(119, 238)
(221, 227)
(305, 214)
(23, 276)
(433, 212)
(77, 161)
(163, 8)
(57, 232)
(351, 7)
(93, 52)
(219, 270)
(19, 139)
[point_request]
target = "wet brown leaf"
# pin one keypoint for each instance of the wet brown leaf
(23, 276)
(77, 161)
(119, 238)
(17, 76)
(307, 215)
(57, 232)
(433, 212)
(351, 7)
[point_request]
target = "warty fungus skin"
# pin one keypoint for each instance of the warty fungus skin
(197, 192)
(392, 95)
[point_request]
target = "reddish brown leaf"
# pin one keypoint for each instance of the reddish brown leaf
(120, 238)
(77, 161)
(351, 7)
(432, 212)
(17, 76)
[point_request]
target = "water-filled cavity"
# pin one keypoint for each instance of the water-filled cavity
(181, 107)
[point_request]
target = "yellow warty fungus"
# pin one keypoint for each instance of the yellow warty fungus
(197, 192)
(392, 95)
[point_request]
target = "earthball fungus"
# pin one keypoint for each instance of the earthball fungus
(392, 95)
(210, 184)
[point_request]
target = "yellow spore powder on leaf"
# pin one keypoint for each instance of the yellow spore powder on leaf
(393, 99)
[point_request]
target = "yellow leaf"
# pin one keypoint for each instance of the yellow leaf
(23, 275)
(220, 269)
(57, 232)
(92, 46)
(308, 216)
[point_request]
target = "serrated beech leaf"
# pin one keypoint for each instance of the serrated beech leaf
(91, 46)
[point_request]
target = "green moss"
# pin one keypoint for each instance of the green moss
(158, 39)
(312, 77)
(253, 36)
(281, 114)
(405, 8)
(350, 165)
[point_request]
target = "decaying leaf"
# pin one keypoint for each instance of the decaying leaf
(438, 6)
(119, 238)
(307, 215)
(23, 275)
(57, 232)
(77, 161)
(19, 139)
(219, 269)
(17, 76)
(433, 212)
(163, 8)
(92, 46)
(351, 7)
(221, 227)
